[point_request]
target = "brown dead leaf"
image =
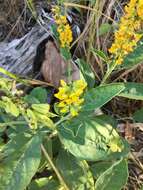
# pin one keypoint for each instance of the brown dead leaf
(54, 67)
(129, 131)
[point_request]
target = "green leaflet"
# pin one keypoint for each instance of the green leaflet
(113, 178)
(22, 158)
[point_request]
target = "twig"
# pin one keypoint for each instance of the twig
(54, 167)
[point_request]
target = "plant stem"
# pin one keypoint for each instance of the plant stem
(62, 119)
(54, 167)
(69, 72)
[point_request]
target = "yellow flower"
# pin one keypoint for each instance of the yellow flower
(65, 109)
(115, 148)
(65, 35)
(64, 29)
(73, 111)
(61, 105)
(69, 96)
(140, 9)
(127, 36)
(63, 83)
(60, 20)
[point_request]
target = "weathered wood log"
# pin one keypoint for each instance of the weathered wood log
(18, 55)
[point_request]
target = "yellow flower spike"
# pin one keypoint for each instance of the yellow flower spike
(56, 10)
(63, 28)
(127, 36)
(69, 96)
(60, 20)
(140, 9)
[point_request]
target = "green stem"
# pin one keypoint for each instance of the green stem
(55, 132)
(54, 167)
(69, 72)
(108, 73)
(62, 119)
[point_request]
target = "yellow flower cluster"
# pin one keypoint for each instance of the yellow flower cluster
(127, 36)
(140, 9)
(69, 96)
(64, 29)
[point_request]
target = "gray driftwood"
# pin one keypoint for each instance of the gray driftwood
(17, 56)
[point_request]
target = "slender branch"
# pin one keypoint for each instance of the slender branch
(54, 167)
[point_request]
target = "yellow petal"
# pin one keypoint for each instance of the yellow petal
(73, 112)
(63, 83)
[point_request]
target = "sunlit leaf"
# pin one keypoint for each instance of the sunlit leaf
(113, 178)
(22, 158)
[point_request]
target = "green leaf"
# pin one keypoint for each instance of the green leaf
(5, 72)
(132, 91)
(10, 107)
(134, 58)
(97, 97)
(104, 28)
(44, 184)
(76, 173)
(65, 53)
(22, 158)
(87, 72)
(91, 139)
(138, 116)
(41, 108)
(31, 100)
(113, 178)
(101, 54)
(100, 167)
(53, 28)
(40, 94)
(107, 119)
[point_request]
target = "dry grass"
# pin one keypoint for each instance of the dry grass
(11, 23)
